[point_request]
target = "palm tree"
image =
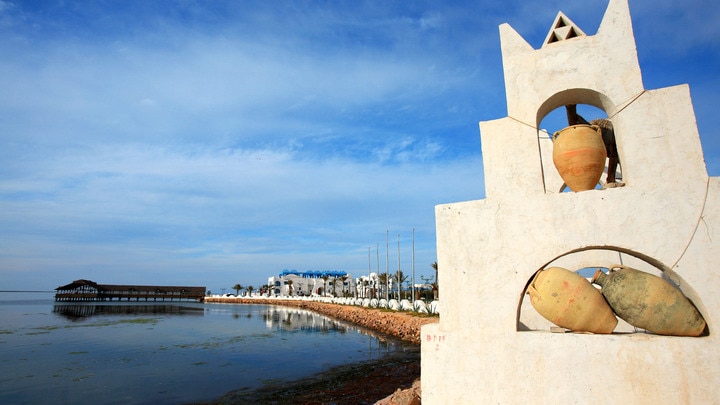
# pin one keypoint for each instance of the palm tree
(325, 278)
(249, 289)
(436, 289)
(267, 288)
(426, 281)
(383, 281)
(344, 280)
(334, 284)
(237, 288)
(400, 278)
(290, 287)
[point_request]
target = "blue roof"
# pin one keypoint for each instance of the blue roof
(314, 273)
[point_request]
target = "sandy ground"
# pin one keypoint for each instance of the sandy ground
(364, 383)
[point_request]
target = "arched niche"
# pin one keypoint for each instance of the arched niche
(593, 257)
(575, 96)
(581, 97)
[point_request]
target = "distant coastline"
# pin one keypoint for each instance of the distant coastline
(27, 291)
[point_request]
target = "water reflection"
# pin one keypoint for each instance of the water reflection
(300, 320)
(290, 319)
(76, 353)
(76, 312)
(275, 318)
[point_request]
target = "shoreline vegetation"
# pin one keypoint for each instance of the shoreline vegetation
(370, 382)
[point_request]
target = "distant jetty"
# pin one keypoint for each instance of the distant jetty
(88, 291)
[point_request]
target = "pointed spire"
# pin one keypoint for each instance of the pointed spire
(563, 28)
(616, 20)
(511, 41)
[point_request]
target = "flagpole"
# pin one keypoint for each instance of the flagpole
(364, 293)
(387, 265)
(377, 257)
(397, 276)
(413, 266)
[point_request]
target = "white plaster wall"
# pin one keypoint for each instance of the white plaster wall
(488, 245)
(478, 353)
(550, 368)
(667, 215)
(510, 158)
(696, 269)
(658, 141)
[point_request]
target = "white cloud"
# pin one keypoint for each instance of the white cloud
(118, 202)
(240, 140)
(6, 5)
(431, 20)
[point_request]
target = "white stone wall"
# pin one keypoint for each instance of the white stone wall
(489, 347)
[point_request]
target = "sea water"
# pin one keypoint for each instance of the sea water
(164, 352)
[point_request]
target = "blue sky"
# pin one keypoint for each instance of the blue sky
(220, 142)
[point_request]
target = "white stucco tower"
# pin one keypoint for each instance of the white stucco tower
(490, 346)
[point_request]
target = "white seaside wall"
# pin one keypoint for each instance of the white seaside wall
(489, 346)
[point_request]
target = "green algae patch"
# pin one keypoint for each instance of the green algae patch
(152, 321)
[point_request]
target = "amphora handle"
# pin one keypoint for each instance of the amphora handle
(616, 267)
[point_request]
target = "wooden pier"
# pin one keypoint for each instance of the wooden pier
(89, 291)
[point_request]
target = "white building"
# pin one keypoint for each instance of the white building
(372, 286)
(293, 283)
(367, 286)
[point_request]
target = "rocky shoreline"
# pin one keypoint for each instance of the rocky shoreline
(392, 380)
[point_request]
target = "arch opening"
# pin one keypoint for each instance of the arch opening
(584, 261)
(592, 108)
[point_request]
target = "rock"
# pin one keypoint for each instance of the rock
(410, 396)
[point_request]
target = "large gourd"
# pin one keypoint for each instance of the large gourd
(569, 300)
(646, 301)
(579, 156)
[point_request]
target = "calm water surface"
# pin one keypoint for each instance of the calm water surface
(137, 353)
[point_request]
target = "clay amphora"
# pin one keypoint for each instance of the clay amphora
(568, 300)
(647, 301)
(579, 156)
